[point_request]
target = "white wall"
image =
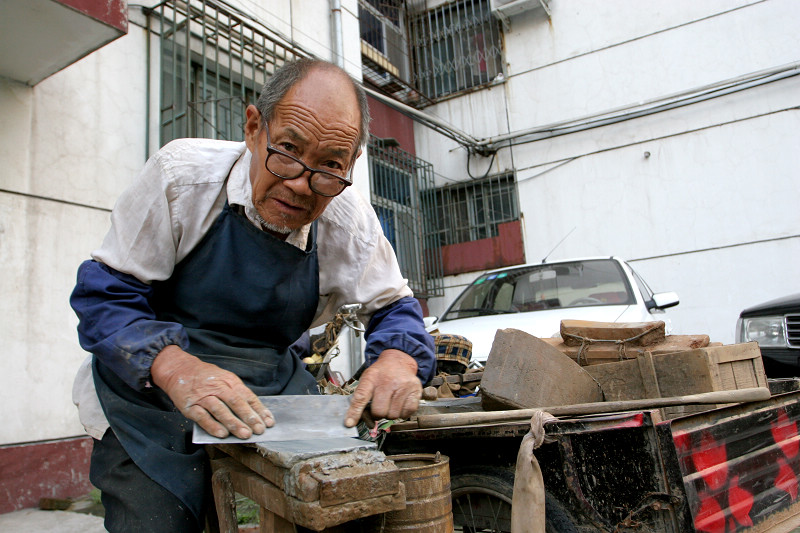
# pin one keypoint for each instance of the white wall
(68, 147)
(80, 136)
(712, 212)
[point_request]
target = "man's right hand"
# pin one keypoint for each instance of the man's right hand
(214, 398)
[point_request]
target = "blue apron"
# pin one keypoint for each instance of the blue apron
(243, 297)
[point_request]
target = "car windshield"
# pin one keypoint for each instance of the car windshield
(546, 286)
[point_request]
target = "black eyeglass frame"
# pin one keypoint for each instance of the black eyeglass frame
(271, 150)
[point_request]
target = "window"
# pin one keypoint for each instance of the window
(471, 211)
(373, 15)
(455, 47)
(213, 63)
(597, 282)
(398, 181)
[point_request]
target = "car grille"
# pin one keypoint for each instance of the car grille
(793, 330)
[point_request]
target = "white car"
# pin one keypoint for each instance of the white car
(535, 298)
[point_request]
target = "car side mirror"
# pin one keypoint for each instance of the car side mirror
(429, 321)
(663, 300)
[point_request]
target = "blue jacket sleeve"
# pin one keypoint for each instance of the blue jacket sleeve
(399, 326)
(117, 324)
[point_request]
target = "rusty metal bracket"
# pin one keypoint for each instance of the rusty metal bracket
(653, 500)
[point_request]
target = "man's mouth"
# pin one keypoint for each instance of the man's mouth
(290, 205)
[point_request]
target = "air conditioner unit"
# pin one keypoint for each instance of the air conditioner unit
(503, 9)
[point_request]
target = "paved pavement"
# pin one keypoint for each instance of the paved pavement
(36, 521)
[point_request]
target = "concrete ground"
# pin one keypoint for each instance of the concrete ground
(37, 521)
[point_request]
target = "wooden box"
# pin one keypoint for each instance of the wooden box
(713, 368)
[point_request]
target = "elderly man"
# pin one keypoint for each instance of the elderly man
(219, 257)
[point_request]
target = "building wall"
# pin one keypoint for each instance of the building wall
(702, 199)
(387, 123)
(68, 147)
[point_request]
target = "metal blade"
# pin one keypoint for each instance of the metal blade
(297, 418)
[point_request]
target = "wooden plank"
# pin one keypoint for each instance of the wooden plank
(469, 377)
(636, 333)
(619, 381)
(523, 371)
(684, 373)
(224, 496)
(735, 352)
(460, 419)
(257, 463)
(649, 377)
(610, 353)
(269, 522)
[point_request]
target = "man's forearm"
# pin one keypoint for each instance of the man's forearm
(117, 323)
(399, 326)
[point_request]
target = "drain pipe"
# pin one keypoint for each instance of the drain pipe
(336, 33)
(448, 130)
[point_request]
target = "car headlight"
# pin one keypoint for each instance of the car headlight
(767, 331)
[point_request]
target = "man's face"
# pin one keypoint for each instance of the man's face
(317, 121)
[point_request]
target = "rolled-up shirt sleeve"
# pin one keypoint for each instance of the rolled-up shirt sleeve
(399, 326)
(359, 265)
(117, 323)
(156, 222)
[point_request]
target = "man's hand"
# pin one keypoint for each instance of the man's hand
(391, 384)
(214, 398)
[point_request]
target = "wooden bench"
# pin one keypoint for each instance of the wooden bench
(294, 484)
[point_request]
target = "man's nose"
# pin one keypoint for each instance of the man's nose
(300, 185)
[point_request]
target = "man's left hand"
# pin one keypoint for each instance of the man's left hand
(391, 384)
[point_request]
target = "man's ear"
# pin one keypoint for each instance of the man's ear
(252, 127)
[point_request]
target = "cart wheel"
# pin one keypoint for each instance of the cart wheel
(482, 502)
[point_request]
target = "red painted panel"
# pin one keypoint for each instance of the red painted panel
(742, 470)
(111, 12)
(424, 304)
(52, 469)
(387, 122)
(504, 250)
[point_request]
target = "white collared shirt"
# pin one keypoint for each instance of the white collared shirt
(180, 193)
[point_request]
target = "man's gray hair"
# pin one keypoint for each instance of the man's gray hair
(293, 72)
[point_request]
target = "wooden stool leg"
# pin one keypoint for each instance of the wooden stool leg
(224, 500)
(272, 523)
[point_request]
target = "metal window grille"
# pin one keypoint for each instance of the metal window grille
(455, 47)
(471, 211)
(384, 49)
(213, 63)
(399, 183)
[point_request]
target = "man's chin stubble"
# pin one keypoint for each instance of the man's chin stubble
(283, 230)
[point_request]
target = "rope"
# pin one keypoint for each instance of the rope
(323, 343)
(527, 502)
(586, 342)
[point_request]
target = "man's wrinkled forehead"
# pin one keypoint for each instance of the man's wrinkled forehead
(322, 105)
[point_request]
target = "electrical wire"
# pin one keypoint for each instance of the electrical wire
(488, 169)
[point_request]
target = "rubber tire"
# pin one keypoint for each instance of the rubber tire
(495, 482)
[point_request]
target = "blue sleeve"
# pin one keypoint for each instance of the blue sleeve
(399, 326)
(117, 323)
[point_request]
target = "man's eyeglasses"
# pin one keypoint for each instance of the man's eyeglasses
(288, 167)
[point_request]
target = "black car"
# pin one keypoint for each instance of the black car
(775, 325)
